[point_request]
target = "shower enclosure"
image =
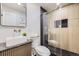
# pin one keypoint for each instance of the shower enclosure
(63, 31)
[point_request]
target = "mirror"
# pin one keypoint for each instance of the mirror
(13, 14)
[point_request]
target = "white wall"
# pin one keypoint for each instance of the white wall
(33, 19)
(33, 23)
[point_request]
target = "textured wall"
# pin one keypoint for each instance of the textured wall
(67, 38)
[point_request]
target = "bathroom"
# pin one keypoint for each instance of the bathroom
(15, 31)
(39, 29)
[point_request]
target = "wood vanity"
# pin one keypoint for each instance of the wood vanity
(20, 50)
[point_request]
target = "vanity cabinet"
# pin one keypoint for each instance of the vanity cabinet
(22, 50)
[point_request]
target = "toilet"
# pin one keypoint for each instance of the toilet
(42, 51)
(37, 49)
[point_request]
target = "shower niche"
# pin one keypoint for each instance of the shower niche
(13, 14)
(61, 23)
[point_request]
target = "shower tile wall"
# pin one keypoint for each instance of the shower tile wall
(67, 38)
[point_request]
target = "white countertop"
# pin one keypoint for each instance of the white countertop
(3, 46)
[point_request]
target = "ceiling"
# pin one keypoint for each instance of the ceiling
(15, 6)
(51, 6)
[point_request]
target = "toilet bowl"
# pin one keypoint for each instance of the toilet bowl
(42, 51)
(38, 49)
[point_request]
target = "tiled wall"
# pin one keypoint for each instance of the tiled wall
(67, 38)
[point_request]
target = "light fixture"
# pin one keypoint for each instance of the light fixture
(59, 8)
(57, 4)
(19, 3)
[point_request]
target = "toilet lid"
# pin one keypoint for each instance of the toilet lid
(41, 50)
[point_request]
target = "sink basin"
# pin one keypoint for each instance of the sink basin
(13, 41)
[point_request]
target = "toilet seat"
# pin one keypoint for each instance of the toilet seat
(42, 50)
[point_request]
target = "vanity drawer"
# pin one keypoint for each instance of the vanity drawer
(22, 50)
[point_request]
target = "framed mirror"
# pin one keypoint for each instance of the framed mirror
(13, 14)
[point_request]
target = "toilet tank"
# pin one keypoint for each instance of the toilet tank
(36, 41)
